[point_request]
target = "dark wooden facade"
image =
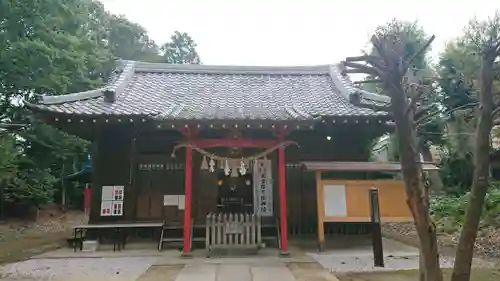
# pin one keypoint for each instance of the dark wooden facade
(151, 108)
(120, 151)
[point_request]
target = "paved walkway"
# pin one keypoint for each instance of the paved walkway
(149, 265)
(232, 272)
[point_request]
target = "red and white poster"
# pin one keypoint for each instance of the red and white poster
(112, 200)
(106, 208)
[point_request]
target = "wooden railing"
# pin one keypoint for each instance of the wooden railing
(233, 231)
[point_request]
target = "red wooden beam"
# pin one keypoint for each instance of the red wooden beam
(282, 200)
(238, 143)
(187, 201)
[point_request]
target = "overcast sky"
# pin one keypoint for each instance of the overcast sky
(293, 32)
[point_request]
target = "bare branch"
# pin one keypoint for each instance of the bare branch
(372, 60)
(446, 112)
(360, 68)
(378, 47)
(368, 81)
(361, 58)
(421, 51)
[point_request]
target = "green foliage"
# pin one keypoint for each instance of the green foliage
(457, 69)
(432, 125)
(9, 158)
(452, 209)
(56, 47)
(415, 37)
(181, 49)
(456, 171)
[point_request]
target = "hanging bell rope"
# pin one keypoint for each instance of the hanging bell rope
(221, 158)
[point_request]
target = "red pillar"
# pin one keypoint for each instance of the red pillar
(187, 202)
(282, 200)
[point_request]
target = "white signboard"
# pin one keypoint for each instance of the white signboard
(263, 188)
(112, 200)
(170, 200)
(335, 200)
(107, 193)
(181, 202)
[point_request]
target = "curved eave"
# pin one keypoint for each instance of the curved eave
(48, 106)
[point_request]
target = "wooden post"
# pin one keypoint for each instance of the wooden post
(282, 201)
(187, 200)
(378, 250)
(320, 211)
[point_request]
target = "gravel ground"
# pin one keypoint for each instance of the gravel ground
(47, 223)
(336, 263)
(77, 269)
(487, 243)
(21, 239)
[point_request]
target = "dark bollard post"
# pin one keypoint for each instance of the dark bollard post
(378, 251)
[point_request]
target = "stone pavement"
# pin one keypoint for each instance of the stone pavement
(232, 272)
(359, 258)
(149, 264)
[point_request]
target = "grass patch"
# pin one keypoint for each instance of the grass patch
(479, 274)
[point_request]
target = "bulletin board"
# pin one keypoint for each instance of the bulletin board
(112, 200)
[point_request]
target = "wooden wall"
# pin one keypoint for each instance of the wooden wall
(393, 207)
(111, 163)
(120, 151)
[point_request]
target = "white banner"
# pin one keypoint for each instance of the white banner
(263, 188)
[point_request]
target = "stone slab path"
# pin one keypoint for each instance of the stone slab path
(231, 272)
(143, 268)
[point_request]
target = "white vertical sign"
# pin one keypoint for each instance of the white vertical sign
(263, 188)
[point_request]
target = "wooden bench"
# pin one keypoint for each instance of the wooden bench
(119, 231)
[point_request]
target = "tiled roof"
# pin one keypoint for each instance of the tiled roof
(166, 91)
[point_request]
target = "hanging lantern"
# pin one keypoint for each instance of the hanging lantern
(211, 165)
(204, 164)
(227, 169)
(243, 169)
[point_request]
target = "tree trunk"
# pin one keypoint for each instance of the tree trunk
(412, 176)
(465, 248)
(2, 202)
(434, 178)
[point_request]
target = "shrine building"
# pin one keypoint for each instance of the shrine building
(173, 143)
